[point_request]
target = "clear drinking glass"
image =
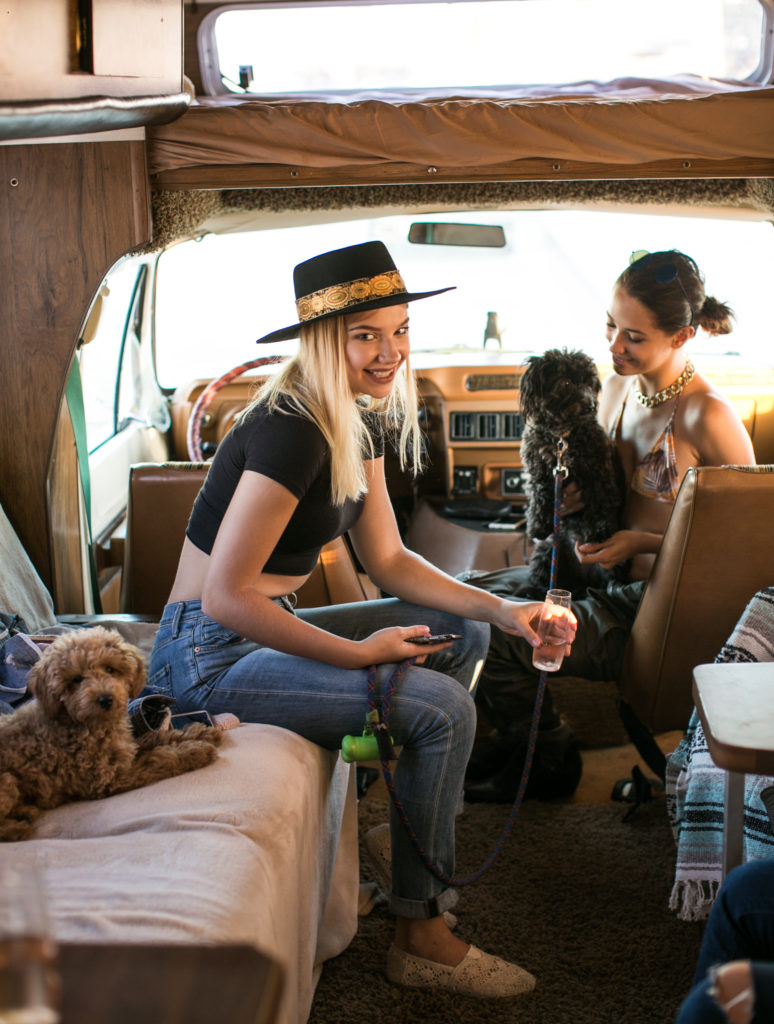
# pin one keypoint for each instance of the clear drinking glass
(29, 981)
(549, 655)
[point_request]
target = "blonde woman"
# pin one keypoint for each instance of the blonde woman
(303, 465)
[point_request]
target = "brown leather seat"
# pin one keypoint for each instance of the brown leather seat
(161, 496)
(715, 554)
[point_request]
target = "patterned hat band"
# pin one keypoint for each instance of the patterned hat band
(339, 297)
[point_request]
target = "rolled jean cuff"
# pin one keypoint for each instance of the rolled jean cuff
(422, 910)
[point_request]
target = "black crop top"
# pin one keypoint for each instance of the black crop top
(291, 450)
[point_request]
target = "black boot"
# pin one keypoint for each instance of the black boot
(556, 770)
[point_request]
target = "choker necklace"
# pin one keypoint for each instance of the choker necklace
(672, 391)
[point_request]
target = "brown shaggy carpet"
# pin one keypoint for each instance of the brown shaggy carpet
(578, 897)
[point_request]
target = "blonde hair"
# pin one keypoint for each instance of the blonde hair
(314, 384)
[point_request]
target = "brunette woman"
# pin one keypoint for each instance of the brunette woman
(664, 417)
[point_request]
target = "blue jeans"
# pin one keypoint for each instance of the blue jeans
(432, 715)
(740, 927)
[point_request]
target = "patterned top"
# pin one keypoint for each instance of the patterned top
(656, 475)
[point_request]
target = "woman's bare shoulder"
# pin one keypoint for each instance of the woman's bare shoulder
(713, 425)
(703, 398)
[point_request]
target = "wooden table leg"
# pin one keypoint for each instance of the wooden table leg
(733, 831)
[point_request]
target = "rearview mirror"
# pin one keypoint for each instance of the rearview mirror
(490, 236)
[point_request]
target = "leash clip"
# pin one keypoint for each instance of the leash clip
(560, 469)
(376, 727)
(372, 720)
(383, 741)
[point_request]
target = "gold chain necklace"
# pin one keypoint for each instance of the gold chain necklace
(672, 391)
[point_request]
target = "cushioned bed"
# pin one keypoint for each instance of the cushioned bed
(259, 847)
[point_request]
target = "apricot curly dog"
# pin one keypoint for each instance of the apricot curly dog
(75, 742)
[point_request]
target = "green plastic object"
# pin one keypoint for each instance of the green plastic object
(359, 748)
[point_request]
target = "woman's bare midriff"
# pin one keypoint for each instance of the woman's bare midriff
(192, 572)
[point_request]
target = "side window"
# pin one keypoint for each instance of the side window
(119, 386)
(102, 346)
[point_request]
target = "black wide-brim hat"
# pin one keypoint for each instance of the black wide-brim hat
(349, 280)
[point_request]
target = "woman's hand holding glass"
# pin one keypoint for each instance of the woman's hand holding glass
(521, 618)
(551, 625)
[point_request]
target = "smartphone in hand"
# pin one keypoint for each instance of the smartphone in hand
(438, 638)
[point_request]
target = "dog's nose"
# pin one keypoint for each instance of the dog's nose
(105, 701)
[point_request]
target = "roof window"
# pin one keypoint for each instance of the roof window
(275, 48)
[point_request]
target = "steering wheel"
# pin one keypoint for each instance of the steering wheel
(193, 433)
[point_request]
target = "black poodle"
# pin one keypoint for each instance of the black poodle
(559, 395)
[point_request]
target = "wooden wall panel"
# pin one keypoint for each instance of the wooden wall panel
(64, 519)
(67, 212)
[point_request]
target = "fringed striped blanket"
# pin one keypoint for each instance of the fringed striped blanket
(695, 786)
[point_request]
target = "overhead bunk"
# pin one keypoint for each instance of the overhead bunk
(682, 127)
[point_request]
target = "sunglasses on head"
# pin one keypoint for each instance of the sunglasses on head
(664, 274)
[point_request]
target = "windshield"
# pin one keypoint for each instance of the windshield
(549, 284)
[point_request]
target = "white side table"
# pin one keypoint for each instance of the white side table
(735, 702)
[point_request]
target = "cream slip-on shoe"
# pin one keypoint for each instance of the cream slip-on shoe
(477, 974)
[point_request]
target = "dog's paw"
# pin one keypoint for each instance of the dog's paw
(200, 731)
(197, 753)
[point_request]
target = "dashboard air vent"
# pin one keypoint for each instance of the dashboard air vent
(512, 426)
(485, 426)
(490, 426)
(463, 426)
